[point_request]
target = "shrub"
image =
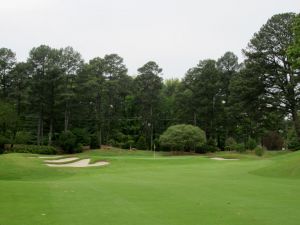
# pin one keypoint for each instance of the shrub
(23, 137)
(82, 136)
(205, 148)
(273, 141)
(113, 142)
(78, 148)
(141, 143)
(259, 151)
(229, 144)
(209, 146)
(293, 141)
(35, 149)
(67, 141)
(127, 145)
(94, 141)
(239, 148)
(294, 145)
(3, 141)
(251, 144)
(182, 137)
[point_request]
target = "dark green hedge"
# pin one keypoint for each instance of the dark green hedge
(47, 150)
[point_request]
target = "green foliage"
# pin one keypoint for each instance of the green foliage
(230, 144)
(206, 148)
(204, 83)
(23, 137)
(3, 141)
(67, 140)
(127, 145)
(82, 136)
(94, 141)
(78, 148)
(182, 137)
(273, 141)
(8, 118)
(141, 143)
(239, 147)
(251, 144)
(259, 151)
(7, 62)
(294, 145)
(266, 89)
(122, 141)
(294, 48)
(293, 142)
(55, 91)
(35, 149)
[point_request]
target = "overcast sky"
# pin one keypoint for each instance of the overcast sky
(174, 33)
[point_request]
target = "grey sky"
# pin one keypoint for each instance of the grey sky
(174, 33)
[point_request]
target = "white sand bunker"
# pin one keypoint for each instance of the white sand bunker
(61, 160)
(50, 157)
(79, 163)
(222, 159)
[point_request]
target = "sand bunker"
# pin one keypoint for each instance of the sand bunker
(79, 163)
(222, 159)
(50, 157)
(61, 160)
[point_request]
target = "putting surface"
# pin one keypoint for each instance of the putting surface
(136, 189)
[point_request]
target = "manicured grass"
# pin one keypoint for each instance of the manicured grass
(136, 189)
(284, 166)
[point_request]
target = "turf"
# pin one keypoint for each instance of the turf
(138, 189)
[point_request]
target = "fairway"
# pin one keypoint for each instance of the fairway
(136, 189)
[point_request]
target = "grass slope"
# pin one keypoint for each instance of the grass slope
(136, 189)
(285, 166)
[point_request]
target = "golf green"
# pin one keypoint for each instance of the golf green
(138, 189)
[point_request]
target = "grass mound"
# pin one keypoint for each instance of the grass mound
(284, 166)
(19, 167)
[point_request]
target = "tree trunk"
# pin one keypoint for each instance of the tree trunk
(195, 119)
(296, 122)
(19, 105)
(50, 132)
(98, 118)
(40, 128)
(38, 141)
(100, 137)
(151, 128)
(66, 117)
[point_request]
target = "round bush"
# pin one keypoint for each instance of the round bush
(182, 137)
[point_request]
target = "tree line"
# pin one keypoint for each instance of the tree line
(55, 92)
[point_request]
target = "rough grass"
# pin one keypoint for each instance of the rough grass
(136, 189)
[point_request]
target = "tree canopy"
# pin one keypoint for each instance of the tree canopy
(55, 92)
